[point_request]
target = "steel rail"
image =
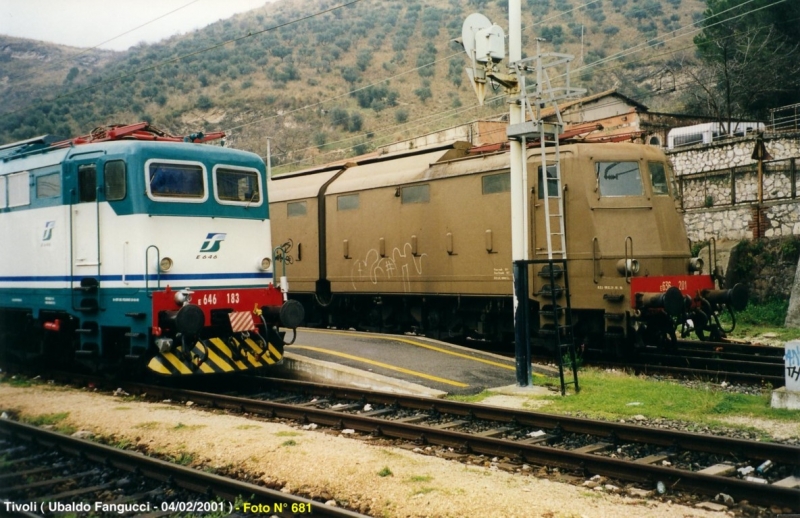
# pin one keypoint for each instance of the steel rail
(718, 364)
(765, 494)
(738, 377)
(186, 478)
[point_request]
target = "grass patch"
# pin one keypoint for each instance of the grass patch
(17, 381)
(420, 478)
(149, 425)
(247, 427)
(184, 459)
(181, 426)
(607, 395)
(759, 319)
(385, 472)
(424, 490)
(290, 442)
(288, 434)
(471, 398)
(47, 419)
(121, 444)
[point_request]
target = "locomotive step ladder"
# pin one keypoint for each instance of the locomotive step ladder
(556, 319)
(555, 266)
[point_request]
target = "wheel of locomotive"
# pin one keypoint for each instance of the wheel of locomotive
(704, 324)
(661, 332)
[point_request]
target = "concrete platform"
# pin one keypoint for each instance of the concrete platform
(408, 364)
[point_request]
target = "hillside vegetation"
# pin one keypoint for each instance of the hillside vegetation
(324, 82)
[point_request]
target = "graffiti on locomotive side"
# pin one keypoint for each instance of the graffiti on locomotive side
(400, 264)
(792, 359)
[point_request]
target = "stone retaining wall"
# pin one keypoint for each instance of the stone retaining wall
(719, 188)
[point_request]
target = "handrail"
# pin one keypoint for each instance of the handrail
(594, 260)
(147, 273)
(628, 260)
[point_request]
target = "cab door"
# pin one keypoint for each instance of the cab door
(85, 228)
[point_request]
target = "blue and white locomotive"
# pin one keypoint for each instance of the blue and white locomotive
(136, 248)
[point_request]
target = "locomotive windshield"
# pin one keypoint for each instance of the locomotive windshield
(619, 178)
(237, 186)
(176, 180)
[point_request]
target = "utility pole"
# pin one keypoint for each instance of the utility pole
(484, 43)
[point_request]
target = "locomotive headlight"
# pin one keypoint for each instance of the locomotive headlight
(165, 264)
(265, 264)
(183, 297)
(628, 266)
(696, 265)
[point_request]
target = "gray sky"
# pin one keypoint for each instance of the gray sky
(88, 23)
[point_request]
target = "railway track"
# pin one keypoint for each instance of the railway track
(45, 472)
(733, 362)
(718, 361)
(660, 459)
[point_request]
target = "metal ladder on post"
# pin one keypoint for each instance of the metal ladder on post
(556, 263)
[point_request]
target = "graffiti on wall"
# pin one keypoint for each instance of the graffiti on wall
(792, 362)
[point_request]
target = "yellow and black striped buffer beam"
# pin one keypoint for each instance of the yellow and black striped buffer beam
(216, 356)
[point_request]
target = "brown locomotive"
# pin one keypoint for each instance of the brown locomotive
(420, 241)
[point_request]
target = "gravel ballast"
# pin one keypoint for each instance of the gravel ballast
(357, 473)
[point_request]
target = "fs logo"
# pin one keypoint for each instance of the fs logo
(211, 244)
(48, 230)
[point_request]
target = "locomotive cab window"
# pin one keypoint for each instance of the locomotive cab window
(494, 183)
(176, 181)
(114, 177)
(87, 182)
(48, 186)
(416, 194)
(552, 182)
(658, 177)
(619, 178)
(235, 186)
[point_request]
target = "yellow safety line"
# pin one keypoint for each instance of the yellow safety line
(384, 365)
(417, 344)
